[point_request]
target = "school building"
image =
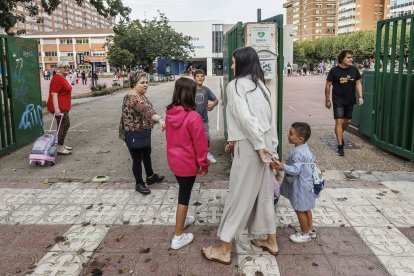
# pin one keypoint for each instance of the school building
(64, 45)
(207, 39)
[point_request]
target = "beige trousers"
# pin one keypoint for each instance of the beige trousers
(250, 199)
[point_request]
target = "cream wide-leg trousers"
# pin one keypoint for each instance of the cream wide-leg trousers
(250, 199)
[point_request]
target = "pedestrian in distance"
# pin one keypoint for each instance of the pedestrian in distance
(289, 69)
(205, 101)
(251, 127)
(138, 114)
(344, 79)
(298, 175)
(59, 104)
(186, 152)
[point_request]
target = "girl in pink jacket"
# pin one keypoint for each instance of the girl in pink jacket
(186, 152)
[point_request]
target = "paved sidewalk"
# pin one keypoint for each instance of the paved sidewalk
(364, 228)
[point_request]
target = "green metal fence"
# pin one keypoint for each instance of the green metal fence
(393, 115)
(234, 39)
(20, 94)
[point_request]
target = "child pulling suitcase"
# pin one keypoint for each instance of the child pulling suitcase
(45, 148)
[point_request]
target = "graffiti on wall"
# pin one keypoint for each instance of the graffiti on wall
(31, 117)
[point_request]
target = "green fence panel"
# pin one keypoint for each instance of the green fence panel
(393, 103)
(362, 115)
(21, 93)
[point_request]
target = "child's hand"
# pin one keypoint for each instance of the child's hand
(276, 164)
(203, 171)
(229, 147)
(210, 106)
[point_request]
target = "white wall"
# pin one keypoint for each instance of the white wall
(201, 34)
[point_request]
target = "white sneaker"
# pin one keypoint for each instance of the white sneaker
(211, 158)
(312, 233)
(300, 237)
(188, 221)
(186, 238)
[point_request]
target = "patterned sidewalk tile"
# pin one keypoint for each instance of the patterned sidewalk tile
(399, 215)
(145, 250)
(386, 241)
(304, 265)
(61, 263)
(408, 232)
(367, 265)
(22, 246)
(398, 265)
(258, 265)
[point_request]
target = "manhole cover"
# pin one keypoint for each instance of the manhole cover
(332, 143)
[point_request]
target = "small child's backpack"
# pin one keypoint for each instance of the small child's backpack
(317, 177)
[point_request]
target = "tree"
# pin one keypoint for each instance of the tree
(151, 39)
(120, 57)
(8, 18)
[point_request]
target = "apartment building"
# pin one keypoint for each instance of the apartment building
(65, 45)
(311, 19)
(396, 8)
(67, 16)
(358, 15)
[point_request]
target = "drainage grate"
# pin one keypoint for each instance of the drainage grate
(332, 143)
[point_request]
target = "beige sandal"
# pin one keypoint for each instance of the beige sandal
(265, 248)
(210, 258)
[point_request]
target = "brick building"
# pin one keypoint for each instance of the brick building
(67, 16)
(311, 19)
(64, 46)
(358, 15)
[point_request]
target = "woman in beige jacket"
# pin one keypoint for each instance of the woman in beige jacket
(253, 131)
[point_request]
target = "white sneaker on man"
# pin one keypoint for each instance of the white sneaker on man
(188, 221)
(211, 158)
(300, 237)
(183, 240)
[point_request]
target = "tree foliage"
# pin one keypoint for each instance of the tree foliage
(327, 48)
(120, 57)
(151, 39)
(8, 18)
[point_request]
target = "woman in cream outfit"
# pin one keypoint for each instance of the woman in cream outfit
(253, 133)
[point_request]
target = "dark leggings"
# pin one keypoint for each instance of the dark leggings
(186, 184)
(139, 156)
(64, 127)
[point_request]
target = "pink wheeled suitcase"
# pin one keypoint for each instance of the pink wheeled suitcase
(45, 148)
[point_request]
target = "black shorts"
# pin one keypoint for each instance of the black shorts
(343, 111)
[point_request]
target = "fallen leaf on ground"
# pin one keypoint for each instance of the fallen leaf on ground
(145, 250)
(119, 238)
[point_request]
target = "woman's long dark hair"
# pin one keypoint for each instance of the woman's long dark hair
(184, 94)
(247, 63)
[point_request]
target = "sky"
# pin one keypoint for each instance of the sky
(229, 11)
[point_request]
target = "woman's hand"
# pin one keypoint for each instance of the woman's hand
(229, 147)
(265, 155)
(162, 124)
(57, 112)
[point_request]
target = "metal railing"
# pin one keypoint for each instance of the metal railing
(393, 115)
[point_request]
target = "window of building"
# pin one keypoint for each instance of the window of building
(82, 41)
(66, 41)
(50, 54)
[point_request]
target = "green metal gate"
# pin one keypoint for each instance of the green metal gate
(234, 39)
(393, 114)
(20, 93)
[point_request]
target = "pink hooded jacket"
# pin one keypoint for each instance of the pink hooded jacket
(186, 142)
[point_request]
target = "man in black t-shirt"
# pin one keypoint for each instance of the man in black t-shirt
(344, 79)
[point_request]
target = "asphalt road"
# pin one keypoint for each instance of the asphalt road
(98, 151)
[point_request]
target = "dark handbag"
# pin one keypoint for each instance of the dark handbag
(138, 139)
